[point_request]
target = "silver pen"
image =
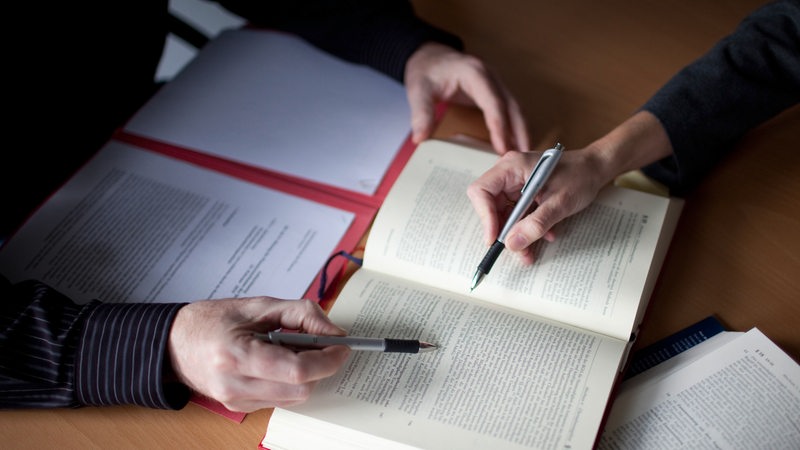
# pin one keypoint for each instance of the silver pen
(541, 172)
(302, 340)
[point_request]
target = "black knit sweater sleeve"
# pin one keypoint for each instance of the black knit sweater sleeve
(746, 78)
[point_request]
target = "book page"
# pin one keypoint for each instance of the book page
(678, 361)
(743, 394)
(272, 100)
(500, 379)
(598, 274)
(133, 225)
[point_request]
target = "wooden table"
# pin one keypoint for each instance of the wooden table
(578, 68)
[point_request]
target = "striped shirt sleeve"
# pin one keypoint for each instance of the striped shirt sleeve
(55, 353)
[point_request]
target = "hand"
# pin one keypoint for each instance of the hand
(213, 351)
(436, 72)
(573, 185)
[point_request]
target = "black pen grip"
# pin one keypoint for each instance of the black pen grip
(402, 346)
(491, 256)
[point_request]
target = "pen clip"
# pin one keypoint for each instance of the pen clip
(548, 154)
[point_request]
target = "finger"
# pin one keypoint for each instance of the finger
(423, 111)
(499, 133)
(304, 315)
(490, 193)
(518, 125)
(280, 364)
(528, 255)
(500, 110)
(491, 101)
(534, 226)
(484, 203)
(246, 394)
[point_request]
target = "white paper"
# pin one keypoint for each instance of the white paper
(272, 100)
(134, 225)
(744, 394)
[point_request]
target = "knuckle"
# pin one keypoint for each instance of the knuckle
(475, 63)
(303, 392)
(537, 227)
(296, 395)
(221, 361)
(297, 374)
(307, 305)
(474, 190)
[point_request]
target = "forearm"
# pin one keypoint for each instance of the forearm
(122, 357)
(745, 79)
(635, 143)
(59, 354)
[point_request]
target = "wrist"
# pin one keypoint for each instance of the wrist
(637, 142)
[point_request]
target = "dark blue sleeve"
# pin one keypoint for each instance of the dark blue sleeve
(382, 34)
(55, 353)
(745, 79)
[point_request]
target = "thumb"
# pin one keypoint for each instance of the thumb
(532, 227)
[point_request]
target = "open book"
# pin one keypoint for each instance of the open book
(734, 390)
(527, 360)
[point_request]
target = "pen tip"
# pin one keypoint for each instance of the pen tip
(475, 280)
(427, 347)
